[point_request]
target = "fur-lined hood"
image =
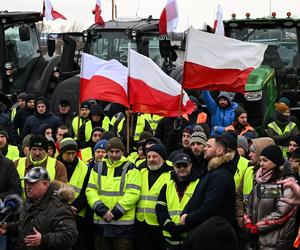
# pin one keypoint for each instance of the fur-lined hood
(216, 162)
(63, 190)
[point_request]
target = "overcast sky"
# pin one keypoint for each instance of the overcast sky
(192, 12)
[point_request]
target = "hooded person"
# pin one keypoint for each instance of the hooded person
(64, 113)
(9, 151)
(42, 115)
(282, 129)
(198, 115)
(80, 119)
(154, 176)
(294, 143)
(221, 110)
(240, 124)
(23, 114)
(97, 119)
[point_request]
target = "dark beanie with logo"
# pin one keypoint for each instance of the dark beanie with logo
(274, 154)
(38, 141)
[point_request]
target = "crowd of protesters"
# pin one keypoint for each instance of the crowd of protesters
(189, 183)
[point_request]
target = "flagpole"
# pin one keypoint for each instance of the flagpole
(128, 127)
(80, 85)
(113, 9)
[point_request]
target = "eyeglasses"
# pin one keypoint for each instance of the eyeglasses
(181, 165)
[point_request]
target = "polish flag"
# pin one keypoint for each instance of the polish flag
(214, 62)
(152, 91)
(49, 12)
(218, 25)
(98, 17)
(169, 17)
(103, 80)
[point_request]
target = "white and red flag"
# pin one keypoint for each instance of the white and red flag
(152, 91)
(103, 80)
(218, 25)
(169, 17)
(49, 13)
(214, 62)
(98, 17)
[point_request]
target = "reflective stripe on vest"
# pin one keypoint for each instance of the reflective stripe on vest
(176, 206)
(12, 152)
(288, 128)
(147, 202)
(248, 183)
(153, 120)
(241, 168)
(89, 128)
(114, 191)
(13, 113)
(86, 154)
(77, 180)
(139, 128)
(50, 167)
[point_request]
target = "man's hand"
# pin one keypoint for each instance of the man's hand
(182, 219)
(291, 183)
(3, 228)
(33, 240)
(74, 210)
(108, 216)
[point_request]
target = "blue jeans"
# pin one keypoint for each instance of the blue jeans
(2, 242)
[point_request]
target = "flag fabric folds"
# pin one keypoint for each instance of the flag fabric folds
(103, 80)
(169, 17)
(218, 25)
(49, 13)
(214, 62)
(98, 17)
(153, 91)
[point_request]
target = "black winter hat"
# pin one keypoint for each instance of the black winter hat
(274, 154)
(294, 154)
(296, 138)
(160, 149)
(231, 138)
(22, 96)
(85, 104)
(107, 135)
(96, 109)
(238, 111)
(38, 141)
(115, 142)
(4, 132)
(64, 102)
(102, 130)
(30, 97)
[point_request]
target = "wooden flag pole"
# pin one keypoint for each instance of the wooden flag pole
(128, 115)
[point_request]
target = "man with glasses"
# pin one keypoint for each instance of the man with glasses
(113, 191)
(38, 148)
(173, 198)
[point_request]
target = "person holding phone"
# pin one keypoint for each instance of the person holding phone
(271, 221)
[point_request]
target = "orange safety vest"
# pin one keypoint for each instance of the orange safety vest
(245, 130)
(201, 118)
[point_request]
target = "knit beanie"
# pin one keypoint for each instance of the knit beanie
(107, 135)
(26, 141)
(259, 144)
(160, 149)
(198, 136)
(273, 153)
(30, 97)
(96, 109)
(102, 144)
(22, 96)
(296, 138)
(4, 132)
(85, 104)
(285, 101)
(189, 129)
(231, 138)
(243, 143)
(145, 135)
(51, 143)
(68, 143)
(38, 141)
(202, 127)
(116, 143)
(238, 111)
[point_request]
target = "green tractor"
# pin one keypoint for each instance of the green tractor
(279, 73)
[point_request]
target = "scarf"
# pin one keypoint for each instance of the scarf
(263, 177)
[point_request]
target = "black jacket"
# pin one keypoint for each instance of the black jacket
(20, 118)
(9, 178)
(214, 195)
(52, 217)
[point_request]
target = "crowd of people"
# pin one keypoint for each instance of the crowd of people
(205, 181)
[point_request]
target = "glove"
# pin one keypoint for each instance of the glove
(173, 229)
(253, 229)
(101, 210)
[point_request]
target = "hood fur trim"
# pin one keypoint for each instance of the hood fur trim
(216, 162)
(63, 190)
